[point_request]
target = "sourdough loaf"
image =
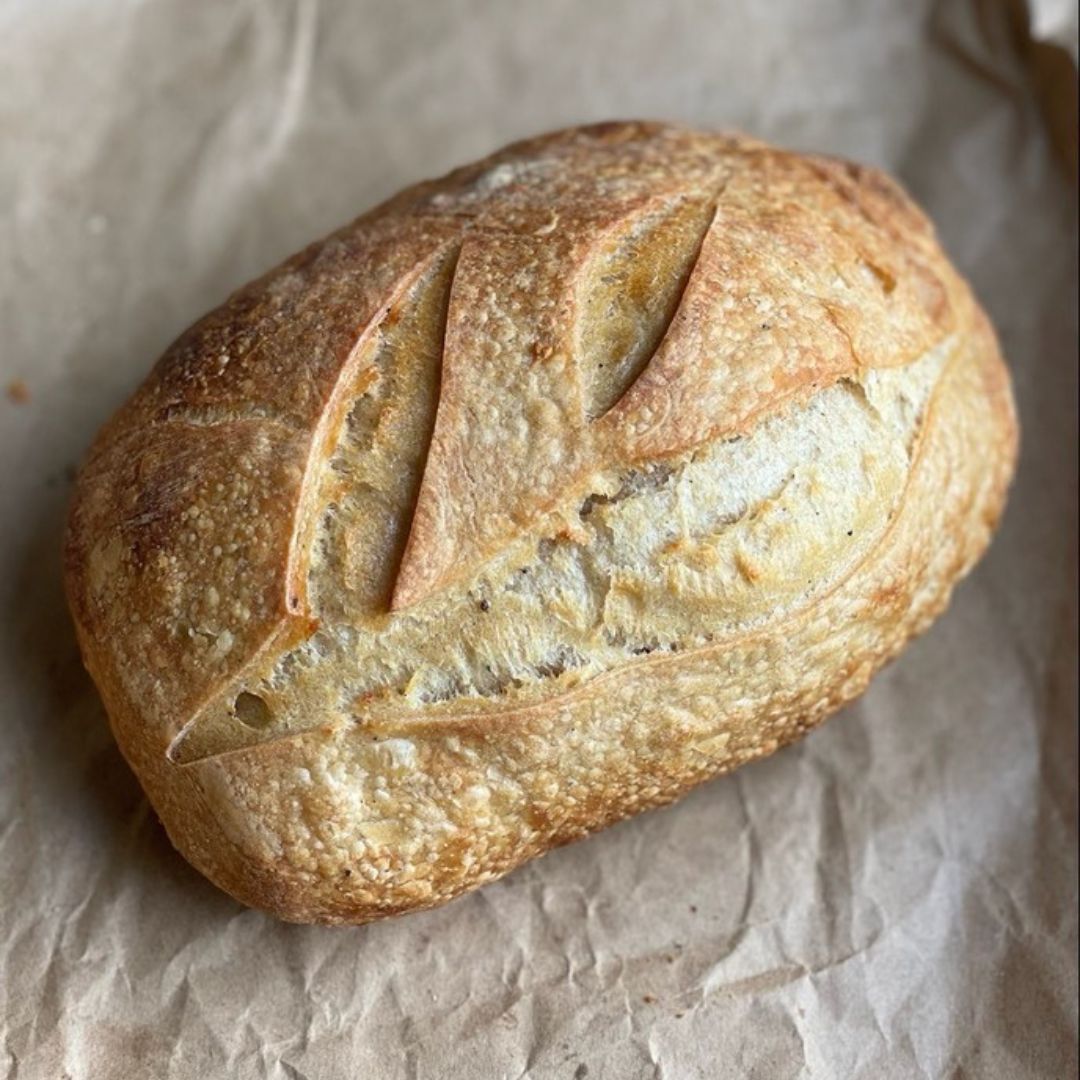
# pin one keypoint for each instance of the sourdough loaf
(531, 499)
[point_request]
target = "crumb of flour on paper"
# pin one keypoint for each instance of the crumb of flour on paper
(18, 391)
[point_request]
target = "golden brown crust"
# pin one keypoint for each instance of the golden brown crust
(578, 311)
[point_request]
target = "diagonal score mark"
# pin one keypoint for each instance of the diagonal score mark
(635, 294)
(372, 479)
(325, 432)
(673, 322)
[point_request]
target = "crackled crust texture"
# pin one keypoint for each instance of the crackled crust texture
(531, 499)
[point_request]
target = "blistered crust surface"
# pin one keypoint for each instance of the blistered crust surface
(523, 447)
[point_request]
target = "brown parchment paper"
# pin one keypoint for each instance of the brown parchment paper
(895, 897)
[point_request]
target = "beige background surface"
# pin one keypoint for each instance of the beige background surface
(895, 897)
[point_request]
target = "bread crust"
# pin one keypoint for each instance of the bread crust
(587, 306)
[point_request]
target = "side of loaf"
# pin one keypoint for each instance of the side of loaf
(531, 499)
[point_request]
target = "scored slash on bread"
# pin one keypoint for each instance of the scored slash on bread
(494, 516)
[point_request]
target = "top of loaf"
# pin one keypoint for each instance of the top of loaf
(402, 403)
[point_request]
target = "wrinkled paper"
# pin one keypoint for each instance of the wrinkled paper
(894, 897)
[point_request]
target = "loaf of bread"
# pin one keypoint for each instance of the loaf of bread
(531, 499)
